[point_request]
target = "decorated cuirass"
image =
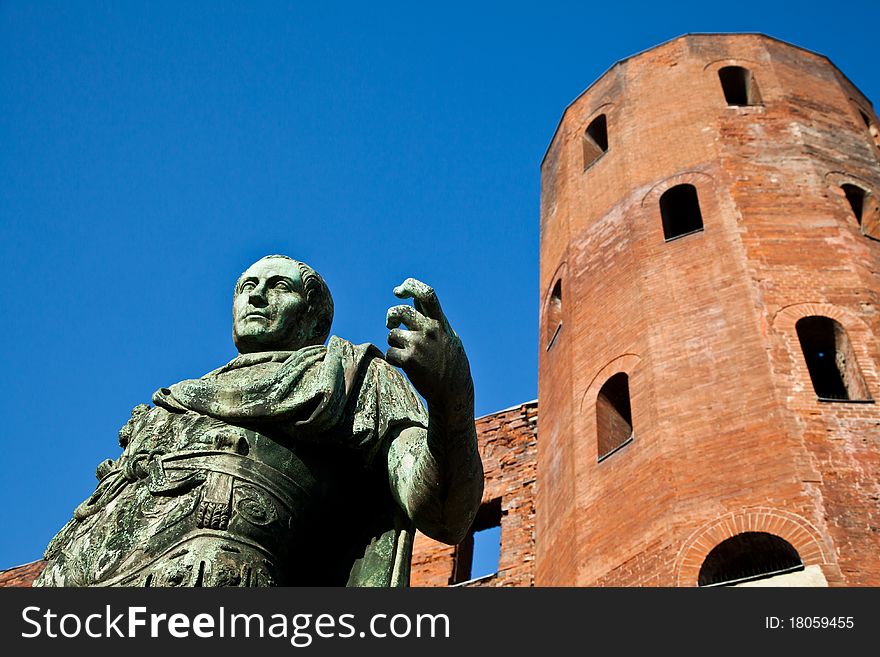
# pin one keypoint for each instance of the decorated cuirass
(217, 509)
(239, 479)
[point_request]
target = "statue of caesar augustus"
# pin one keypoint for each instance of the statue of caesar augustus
(296, 463)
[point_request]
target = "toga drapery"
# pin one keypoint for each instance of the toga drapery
(270, 470)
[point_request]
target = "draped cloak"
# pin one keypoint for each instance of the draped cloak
(271, 470)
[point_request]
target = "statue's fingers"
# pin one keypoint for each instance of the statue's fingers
(407, 316)
(398, 338)
(396, 356)
(424, 296)
(409, 288)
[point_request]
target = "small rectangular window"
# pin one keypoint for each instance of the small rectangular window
(479, 554)
(680, 210)
(865, 209)
(553, 320)
(613, 415)
(595, 140)
(830, 360)
(740, 88)
(856, 198)
(872, 128)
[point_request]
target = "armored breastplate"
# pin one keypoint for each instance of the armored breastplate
(225, 512)
(214, 519)
(261, 472)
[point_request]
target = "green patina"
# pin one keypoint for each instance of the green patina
(297, 463)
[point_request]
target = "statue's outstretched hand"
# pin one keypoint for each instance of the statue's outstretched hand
(429, 352)
(435, 473)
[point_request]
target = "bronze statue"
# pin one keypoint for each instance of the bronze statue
(294, 464)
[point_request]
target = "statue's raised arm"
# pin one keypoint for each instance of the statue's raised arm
(436, 474)
(306, 460)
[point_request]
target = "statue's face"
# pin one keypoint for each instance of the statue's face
(269, 312)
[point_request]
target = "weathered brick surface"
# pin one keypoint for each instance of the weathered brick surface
(508, 447)
(21, 575)
(724, 415)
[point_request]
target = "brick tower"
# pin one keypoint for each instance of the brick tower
(709, 323)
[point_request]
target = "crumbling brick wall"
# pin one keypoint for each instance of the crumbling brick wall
(508, 447)
(21, 575)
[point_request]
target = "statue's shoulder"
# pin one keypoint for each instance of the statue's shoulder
(370, 360)
(350, 351)
(383, 391)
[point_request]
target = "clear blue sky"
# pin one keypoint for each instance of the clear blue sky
(151, 151)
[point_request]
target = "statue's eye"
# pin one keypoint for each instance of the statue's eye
(283, 286)
(247, 286)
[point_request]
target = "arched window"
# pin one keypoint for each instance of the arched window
(747, 557)
(739, 85)
(680, 210)
(871, 127)
(554, 314)
(856, 197)
(613, 415)
(830, 360)
(864, 208)
(595, 140)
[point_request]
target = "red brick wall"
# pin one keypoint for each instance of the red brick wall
(508, 444)
(21, 575)
(727, 428)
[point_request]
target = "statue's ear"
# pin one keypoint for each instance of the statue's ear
(312, 334)
(320, 328)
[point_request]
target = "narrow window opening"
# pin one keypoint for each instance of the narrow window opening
(680, 210)
(595, 140)
(554, 314)
(865, 209)
(748, 557)
(739, 85)
(613, 415)
(830, 360)
(479, 554)
(856, 197)
(871, 126)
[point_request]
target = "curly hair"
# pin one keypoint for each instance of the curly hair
(317, 295)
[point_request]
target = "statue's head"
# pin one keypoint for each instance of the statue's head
(280, 304)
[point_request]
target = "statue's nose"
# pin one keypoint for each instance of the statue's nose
(257, 297)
